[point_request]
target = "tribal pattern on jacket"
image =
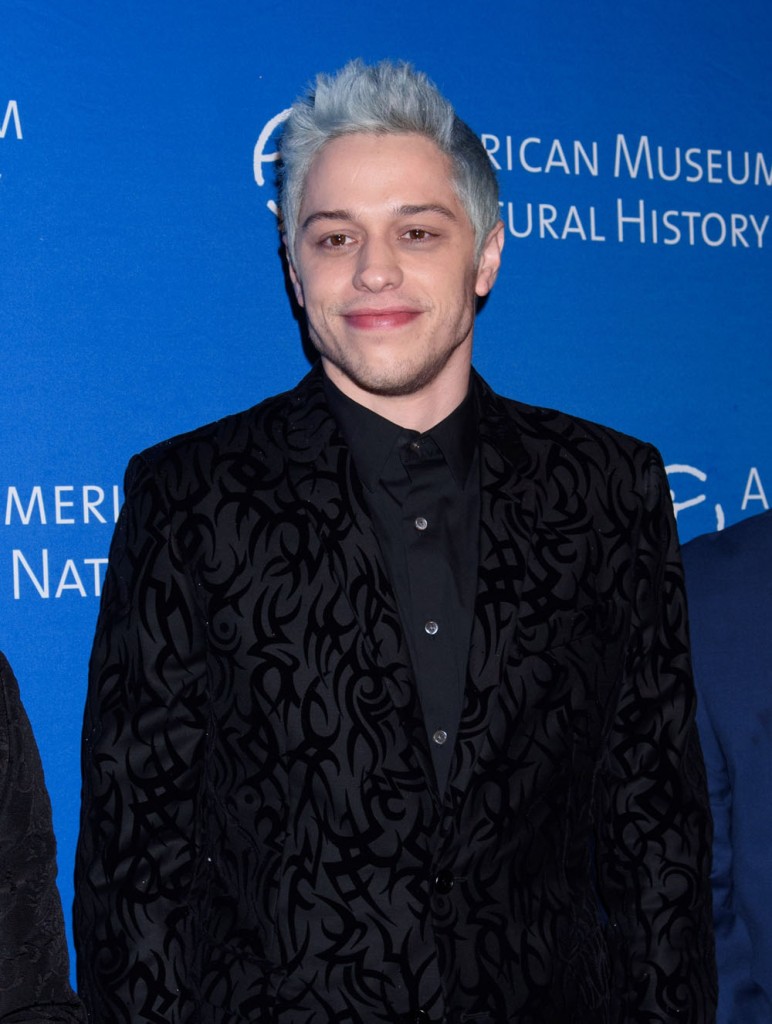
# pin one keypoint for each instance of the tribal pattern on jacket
(262, 835)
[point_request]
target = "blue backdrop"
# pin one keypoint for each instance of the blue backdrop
(142, 290)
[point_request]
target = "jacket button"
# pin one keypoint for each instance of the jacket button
(443, 883)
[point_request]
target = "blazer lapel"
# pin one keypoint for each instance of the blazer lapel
(327, 483)
(506, 534)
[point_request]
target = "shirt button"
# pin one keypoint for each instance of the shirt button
(421, 523)
(443, 883)
(439, 737)
(431, 627)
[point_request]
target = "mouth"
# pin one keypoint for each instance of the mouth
(380, 319)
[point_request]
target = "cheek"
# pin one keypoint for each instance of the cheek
(452, 283)
(320, 287)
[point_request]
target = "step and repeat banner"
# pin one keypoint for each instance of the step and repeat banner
(143, 291)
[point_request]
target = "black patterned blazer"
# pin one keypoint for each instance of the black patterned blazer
(262, 835)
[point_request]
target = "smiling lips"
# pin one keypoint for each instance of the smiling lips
(380, 319)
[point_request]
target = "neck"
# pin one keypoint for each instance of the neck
(420, 410)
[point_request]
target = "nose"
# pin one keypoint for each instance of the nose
(377, 266)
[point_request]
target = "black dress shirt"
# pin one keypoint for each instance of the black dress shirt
(423, 494)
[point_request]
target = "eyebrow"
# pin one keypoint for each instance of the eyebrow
(406, 210)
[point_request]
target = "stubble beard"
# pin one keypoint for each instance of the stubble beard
(406, 377)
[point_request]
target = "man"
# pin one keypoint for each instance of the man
(729, 578)
(34, 965)
(390, 713)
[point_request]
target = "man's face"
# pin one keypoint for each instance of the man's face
(385, 266)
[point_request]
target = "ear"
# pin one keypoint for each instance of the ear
(490, 260)
(297, 286)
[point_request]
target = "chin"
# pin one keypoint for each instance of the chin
(391, 378)
(391, 383)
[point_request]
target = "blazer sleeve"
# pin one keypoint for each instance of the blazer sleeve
(143, 751)
(653, 819)
(34, 966)
(742, 999)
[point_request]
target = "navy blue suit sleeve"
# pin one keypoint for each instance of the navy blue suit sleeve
(741, 999)
(729, 581)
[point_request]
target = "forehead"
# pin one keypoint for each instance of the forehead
(374, 168)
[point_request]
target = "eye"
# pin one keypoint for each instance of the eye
(417, 235)
(337, 240)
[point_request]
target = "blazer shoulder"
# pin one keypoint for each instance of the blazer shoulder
(735, 562)
(746, 541)
(551, 437)
(233, 430)
(281, 426)
(552, 425)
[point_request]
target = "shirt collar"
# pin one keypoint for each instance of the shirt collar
(372, 438)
